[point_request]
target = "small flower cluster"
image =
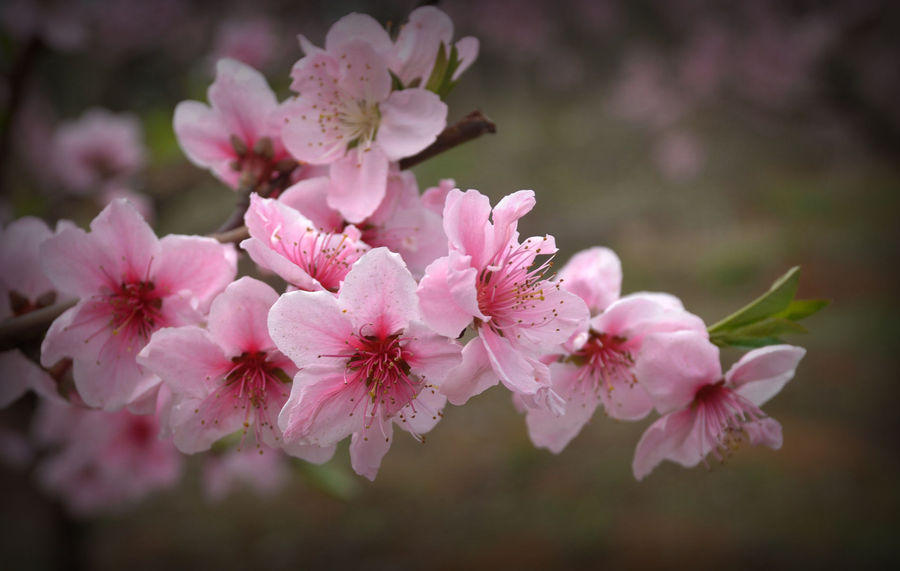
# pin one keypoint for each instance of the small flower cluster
(393, 302)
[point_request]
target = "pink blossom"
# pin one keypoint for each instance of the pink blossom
(252, 41)
(345, 115)
(487, 281)
(264, 473)
(403, 222)
(365, 361)
(412, 56)
(705, 412)
(228, 378)
(286, 242)
(130, 284)
(103, 461)
(98, 148)
(238, 138)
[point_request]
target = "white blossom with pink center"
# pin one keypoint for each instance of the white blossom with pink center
(489, 281)
(130, 284)
(704, 411)
(286, 242)
(238, 137)
(365, 361)
(598, 365)
(229, 377)
(103, 462)
(99, 148)
(345, 115)
(403, 222)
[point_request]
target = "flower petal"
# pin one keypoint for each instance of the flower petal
(309, 327)
(379, 294)
(369, 445)
(359, 182)
(673, 366)
(760, 374)
(674, 437)
(238, 317)
(411, 119)
(595, 275)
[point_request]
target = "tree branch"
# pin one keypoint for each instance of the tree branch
(16, 330)
(472, 126)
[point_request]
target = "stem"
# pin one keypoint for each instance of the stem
(243, 202)
(15, 330)
(472, 126)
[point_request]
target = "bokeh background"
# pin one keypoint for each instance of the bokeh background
(712, 145)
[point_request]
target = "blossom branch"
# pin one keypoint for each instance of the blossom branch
(16, 330)
(470, 127)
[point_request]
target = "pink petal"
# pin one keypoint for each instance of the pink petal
(309, 197)
(18, 374)
(310, 452)
(354, 27)
(238, 317)
(309, 327)
(121, 230)
(760, 374)
(205, 140)
(517, 371)
(77, 264)
(553, 431)
(364, 75)
(379, 294)
(369, 445)
(595, 275)
(626, 401)
(673, 366)
(200, 265)
(674, 437)
(766, 431)
(411, 120)
(359, 182)
(187, 359)
(19, 257)
(638, 315)
(417, 43)
(569, 315)
(198, 423)
(322, 409)
(473, 376)
(243, 99)
(423, 413)
(467, 51)
(432, 356)
(302, 132)
(440, 308)
(506, 217)
(467, 226)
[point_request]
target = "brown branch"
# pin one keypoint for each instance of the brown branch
(234, 235)
(16, 330)
(472, 126)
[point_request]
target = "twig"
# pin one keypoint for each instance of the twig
(17, 80)
(472, 126)
(233, 235)
(15, 330)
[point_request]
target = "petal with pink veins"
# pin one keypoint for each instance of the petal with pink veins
(760, 374)
(309, 326)
(411, 119)
(674, 437)
(595, 275)
(238, 317)
(359, 182)
(674, 366)
(379, 294)
(369, 445)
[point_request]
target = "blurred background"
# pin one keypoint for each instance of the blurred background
(712, 145)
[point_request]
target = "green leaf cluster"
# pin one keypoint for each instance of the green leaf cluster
(764, 320)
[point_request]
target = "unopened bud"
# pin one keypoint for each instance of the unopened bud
(238, 144)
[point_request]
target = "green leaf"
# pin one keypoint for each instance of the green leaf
(800, 308)
(396, 84)
(777, 299)
(437, 73)
(330, 479)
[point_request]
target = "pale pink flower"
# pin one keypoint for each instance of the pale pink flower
(103, 462)
(238, 138)
(130, 284)
(265, 473)
(252, 41)
(229, 377)
(286, 242)
(487, 281)
(98, 148)
(365, 361)
(412, 56)
(23, 288)
(345, 115)
(704, 411)
(403, 222)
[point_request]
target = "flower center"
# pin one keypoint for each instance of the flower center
(381, 365)
(724, 414)
(325, 257)
(605, 360)
(137, 309)
(360, 121)
(512, 293)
